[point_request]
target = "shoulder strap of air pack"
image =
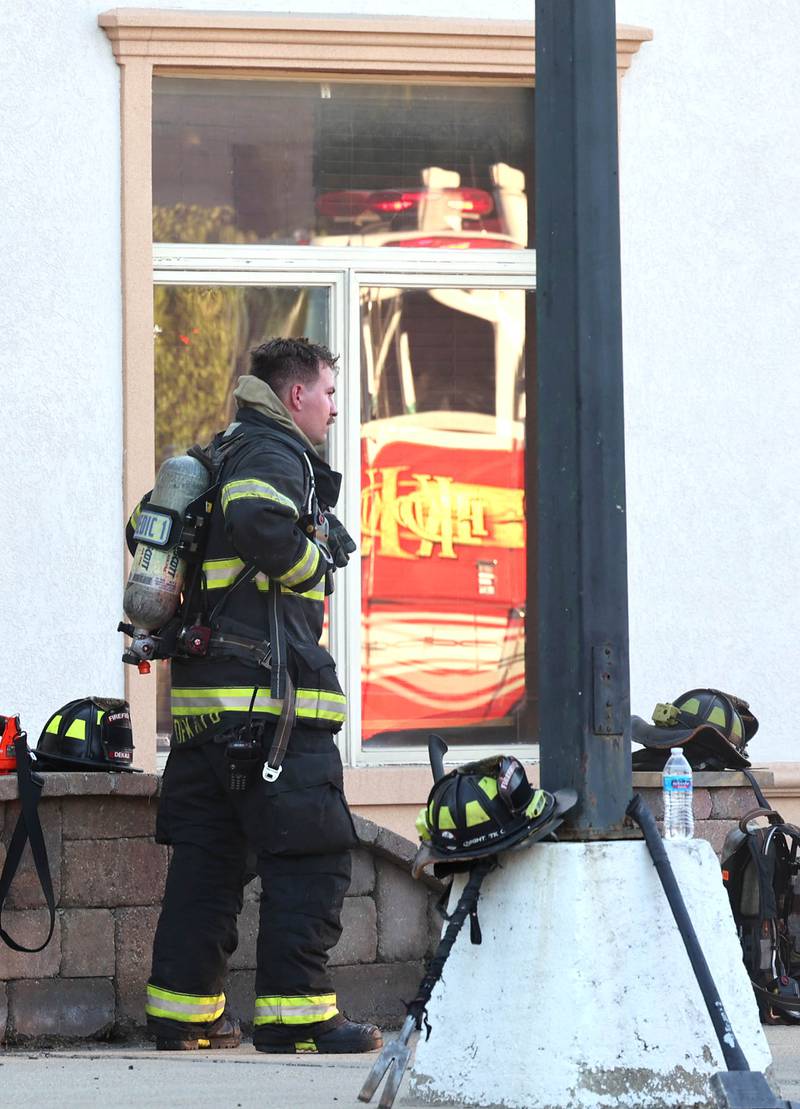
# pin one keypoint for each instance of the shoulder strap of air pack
(763, 802)
(28, 829)
(281, 685)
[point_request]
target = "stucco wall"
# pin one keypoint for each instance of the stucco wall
(60, 490)
(710, 160)
(709, 170)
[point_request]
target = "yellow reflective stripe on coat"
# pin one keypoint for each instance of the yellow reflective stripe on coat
(295, 1010)
(190, 1007)
(253, 489)
(321, 704)
(312, 704)
(305, 567)
(221, 573)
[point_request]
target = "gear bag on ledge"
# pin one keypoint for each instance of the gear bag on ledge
(759, 868)
(16, 758)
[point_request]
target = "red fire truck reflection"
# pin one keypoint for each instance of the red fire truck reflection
(440, 212)
(442, 511)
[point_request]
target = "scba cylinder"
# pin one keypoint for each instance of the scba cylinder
(157, 574)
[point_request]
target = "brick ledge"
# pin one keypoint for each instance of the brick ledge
(100, 783)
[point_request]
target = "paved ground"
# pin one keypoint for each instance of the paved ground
(140, 1078)
(785, 1046)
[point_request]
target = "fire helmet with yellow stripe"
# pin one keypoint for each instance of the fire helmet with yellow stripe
(90, 733)
(712, 727)
(480, 809)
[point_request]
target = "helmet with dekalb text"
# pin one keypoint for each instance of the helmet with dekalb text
(91, 733)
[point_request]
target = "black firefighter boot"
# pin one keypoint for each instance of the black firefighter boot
(338, 1036)
(171, 1036)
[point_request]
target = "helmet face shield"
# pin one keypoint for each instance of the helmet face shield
(513, 785)
(116, 737)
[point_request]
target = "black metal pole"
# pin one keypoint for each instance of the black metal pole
(583, 603)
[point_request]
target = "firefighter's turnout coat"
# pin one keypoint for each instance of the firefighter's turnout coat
(272, 482)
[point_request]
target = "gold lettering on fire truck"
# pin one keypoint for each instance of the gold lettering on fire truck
(408, 515)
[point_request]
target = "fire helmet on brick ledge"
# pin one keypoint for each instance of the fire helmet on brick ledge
(91, 733)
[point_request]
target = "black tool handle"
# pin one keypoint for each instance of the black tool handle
(734, 1056)
(466, 905)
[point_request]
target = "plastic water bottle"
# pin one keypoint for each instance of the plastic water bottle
(676, 782)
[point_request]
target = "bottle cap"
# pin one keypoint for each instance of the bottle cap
(676, 750)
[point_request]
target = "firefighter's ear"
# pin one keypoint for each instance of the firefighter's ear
(294, 396)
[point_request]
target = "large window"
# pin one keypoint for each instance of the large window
(341, 164)
(256, 184)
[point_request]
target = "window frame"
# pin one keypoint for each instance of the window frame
(147, 42)
(345, 272)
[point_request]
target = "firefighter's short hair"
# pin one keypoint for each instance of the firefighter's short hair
(281, 362)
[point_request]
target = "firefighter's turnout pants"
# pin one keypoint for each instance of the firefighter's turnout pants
(296, 833)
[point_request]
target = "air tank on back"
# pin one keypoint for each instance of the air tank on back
(157, 575)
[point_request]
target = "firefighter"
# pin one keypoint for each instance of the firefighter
(230, 791)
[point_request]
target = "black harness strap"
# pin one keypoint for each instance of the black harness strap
(281, 685)
(28, 828)
(273, 652)
(763, 802)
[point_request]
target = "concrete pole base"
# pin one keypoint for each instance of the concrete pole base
(581, 995)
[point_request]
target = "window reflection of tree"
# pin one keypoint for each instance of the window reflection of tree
(203, 338)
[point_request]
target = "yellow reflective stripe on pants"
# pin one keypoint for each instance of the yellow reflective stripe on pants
(253, 489)
(188, 1007)
(311, 704)
(295, 1010)
(305, 567)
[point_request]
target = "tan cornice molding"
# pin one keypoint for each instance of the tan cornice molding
(324, 44)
